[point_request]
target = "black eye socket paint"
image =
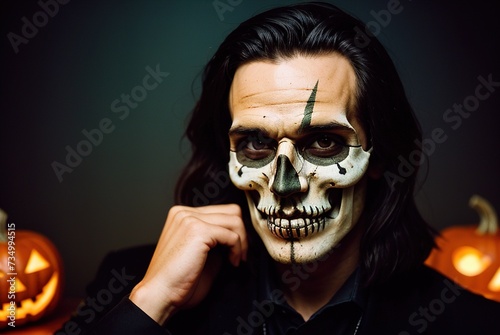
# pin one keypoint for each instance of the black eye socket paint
(306, 120)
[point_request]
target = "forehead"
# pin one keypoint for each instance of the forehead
(277, 93)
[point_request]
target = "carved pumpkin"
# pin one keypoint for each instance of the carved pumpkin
(38, 278)
(470, 255)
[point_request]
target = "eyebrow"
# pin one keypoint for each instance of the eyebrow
(241, 130)
(332, 126)
(308, 129)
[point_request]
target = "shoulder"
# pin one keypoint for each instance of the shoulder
(426, 302)
(117, 274)
(136, 257)
(126, 265)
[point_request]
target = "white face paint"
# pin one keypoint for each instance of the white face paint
(298, 152)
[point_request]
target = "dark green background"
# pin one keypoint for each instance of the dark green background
(65, 79)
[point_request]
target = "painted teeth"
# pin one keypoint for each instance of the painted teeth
(295, 228)
(313, 211)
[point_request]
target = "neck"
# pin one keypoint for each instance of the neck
(315, 283)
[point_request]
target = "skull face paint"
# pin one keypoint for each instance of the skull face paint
(298, 152)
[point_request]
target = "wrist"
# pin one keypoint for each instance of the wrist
(150, 303)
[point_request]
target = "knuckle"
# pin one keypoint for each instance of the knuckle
(234, 238)
(234, 209)
(174, 210)
(180, 213)
(189, 221)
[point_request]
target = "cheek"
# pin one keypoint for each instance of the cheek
(247, 178)
(348, 172)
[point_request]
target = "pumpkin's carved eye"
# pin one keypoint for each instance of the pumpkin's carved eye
(494, 284)
(36, 262)
(470, 262)
(20, 286)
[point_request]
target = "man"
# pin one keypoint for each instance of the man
(305, 115)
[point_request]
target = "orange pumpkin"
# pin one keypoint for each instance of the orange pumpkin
(37, 281)
(470, 255)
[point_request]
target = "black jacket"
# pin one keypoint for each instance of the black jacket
(421, 302)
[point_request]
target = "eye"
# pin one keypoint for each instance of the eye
(256, 145)
(324, 149)
(325, 146)
(255, 150)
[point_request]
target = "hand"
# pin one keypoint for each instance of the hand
(182, 270)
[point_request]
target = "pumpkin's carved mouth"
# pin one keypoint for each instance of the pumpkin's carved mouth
(34, 306)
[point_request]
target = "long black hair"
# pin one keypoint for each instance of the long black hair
(396, 238)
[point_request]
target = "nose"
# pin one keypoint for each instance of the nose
(286, 181)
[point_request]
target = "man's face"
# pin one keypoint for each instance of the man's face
(298, 152)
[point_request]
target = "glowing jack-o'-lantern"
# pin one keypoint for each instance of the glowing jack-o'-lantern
(32, 270)
(470, 255)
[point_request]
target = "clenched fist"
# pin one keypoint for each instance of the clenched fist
(182, 270)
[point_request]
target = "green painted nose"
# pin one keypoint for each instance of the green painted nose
(286, 182)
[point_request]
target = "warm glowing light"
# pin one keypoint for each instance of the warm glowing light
(30, 307)
(470, 261)
(20, 286)
(494, 284)
(36, 262)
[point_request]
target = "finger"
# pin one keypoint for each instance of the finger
(207, 230)
(218, 235)
(234, 225)
(233, 209)
(231, 221)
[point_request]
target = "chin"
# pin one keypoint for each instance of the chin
(305, 234)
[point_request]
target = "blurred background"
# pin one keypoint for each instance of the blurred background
(71, 73)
